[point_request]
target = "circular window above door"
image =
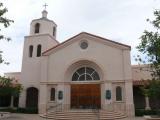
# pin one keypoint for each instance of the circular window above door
(84, 45)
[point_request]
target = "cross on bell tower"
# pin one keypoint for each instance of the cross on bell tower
(44, 12)
(45, 6)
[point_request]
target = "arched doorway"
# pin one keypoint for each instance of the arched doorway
(32, 97)
(85, 95)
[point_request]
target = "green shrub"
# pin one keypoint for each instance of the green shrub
(27, 110)
(21, 110)
(142, 112)
(158, 112)
(7, 110)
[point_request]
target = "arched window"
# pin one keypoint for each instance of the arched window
(118, 93)
(30, 50)
(37, 26)
(85, 74)
(39, 50)
(52, 97)
(54, 31)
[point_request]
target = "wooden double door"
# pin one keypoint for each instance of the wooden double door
(85, 96)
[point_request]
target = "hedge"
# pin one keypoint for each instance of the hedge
(142, 112)
(21, 110)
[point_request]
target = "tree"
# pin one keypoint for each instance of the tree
(4, 22)
(150, 46)
(152, 90)
(9, 87)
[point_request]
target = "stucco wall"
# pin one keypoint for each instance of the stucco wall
(31, 66)
(110, 59)
(46, 26)
(141, 72)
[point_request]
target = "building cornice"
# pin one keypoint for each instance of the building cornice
(87, 82)
(40, 35)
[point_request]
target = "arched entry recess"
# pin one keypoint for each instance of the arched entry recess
(85, 77)
(32, 97)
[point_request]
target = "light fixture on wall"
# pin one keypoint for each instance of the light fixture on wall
(60, 95)
(108, 94)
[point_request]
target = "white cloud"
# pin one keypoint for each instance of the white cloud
(122, 21)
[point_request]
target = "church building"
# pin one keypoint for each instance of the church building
(83, 72)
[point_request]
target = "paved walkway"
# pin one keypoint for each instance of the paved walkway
(24, 117)
(36, 117)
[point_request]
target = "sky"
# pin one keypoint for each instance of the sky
(119, 20)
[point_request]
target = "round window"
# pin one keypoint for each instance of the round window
(84, 45)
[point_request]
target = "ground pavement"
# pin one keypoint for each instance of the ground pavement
(36, 117)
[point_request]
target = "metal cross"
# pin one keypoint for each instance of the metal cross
(45, 6)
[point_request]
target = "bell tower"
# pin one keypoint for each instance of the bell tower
(42, 36)
(43, 26)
